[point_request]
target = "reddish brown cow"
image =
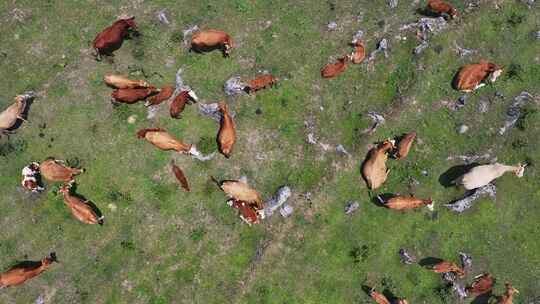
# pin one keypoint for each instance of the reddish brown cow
(227, 132)
(131, 96)
(446, 266)
(25, 271)
(80, 208)
(482, 284)
(247, 212)
(209, 40)
(440, 7)
(473, 76)
(179, 102)
(179, 174)
(407, 202)
(163, 140)
(334, 69)
(111, 38)
(260, 82)
(55, 170)
(359, 53)
(164, 94)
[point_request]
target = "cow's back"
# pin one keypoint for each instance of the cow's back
(53, 171)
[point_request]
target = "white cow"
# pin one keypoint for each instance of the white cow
(480, 176)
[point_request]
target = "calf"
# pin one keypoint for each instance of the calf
(164, 94)
(54, 170)
(482, 284)
(31, 178)
(508, 296)
(131, 96)
(179, 102)
(25, 271)
(180, 177)
(480, 176)
(121, 82)
(407, 202)
(473, 76)
(80, 208)
(164, 141)
(359, 53)
(209, 40)
(260, 82)
(440, 7)
(333, 69)
(227, 131)
(111, 38)
(241, 191)
(374, 168)
(247, 212)
(10, 116)
(445, 266)
(404, 145)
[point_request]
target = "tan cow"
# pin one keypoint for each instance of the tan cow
(407, 202)
(473, 76)
(241, 191)
(80, 208)
(9, 117)
(480, 176)
(441, 7)
(482, 284)
(163, 140)
(227, 131)
(209, 40)
(404, 145)
(374, 168)
(121, 82)
(445, 266)
(25, 271)
(508, 296)
(54, 170)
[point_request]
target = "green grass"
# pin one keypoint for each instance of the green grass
(160, 244)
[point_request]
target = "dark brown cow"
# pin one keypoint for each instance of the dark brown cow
(473, 76)
(25, 271)
(111, 38)
(334, 69)
(404, 145)
(164, 94)
(260, 82)
(180, 177)
(482, 284)
(247, 212)
(131, 96)
(179, 102)
(209, 40)
(440, 7)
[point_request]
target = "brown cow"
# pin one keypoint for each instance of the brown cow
(247, 212)
(121, 82)
(260, 82)
(163, 140)
(179, 102)
(359, 53)
(241, 191)
(473, 76)
(25, 271)
(80, 208)
(31, 178)
(445, 266)
(227, 131)
(164, 94)
(334, 69)
(379, 298)
(10, 116)
(111, 38)
(508, 296)
(482, 284)
(55, 170)
(407, 202)
(131, 96)
(179, 174)
(209, 40)
(440, 7)
(404, 145)
(374, 168)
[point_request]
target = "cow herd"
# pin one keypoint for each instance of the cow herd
(242, 196)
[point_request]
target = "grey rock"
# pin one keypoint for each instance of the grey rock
(281, 196)
(351, 207)
(406, 257)
(514, 111)
(467, 201)
(234, 86)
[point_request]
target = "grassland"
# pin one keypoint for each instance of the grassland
(162, 245)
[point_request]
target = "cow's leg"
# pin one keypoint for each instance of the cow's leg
(479, 86)
(21, 118)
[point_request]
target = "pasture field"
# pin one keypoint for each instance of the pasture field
(162, 245)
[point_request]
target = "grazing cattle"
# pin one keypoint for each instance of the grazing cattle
(473, 76)
(180, 176)
(131, 96)
(25, 271)
(80, 208)
(227, 132)
(407, 202)
(508, 296)
(209, 40)
(111, 38)
(374, 168)
(54, 170)
(480, 176)
(247, 212)
(334, 69)
(241, 191)
(379, 298)
(260, 82)
(164, 94)
(440, 7)
(30, 179)
(404, 145)
(163, 140)
(179, 102)
(359, 53)
(121, 82)
(482, 284)
(445, 266)
(9, 117)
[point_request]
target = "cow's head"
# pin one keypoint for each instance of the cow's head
(510, 290)
(49, 260)
(520, 169)
(453, 13)
(130, 22)
(497, 71)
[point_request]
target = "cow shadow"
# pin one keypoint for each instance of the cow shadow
(455, 81)
(208, 49)
(24, 114)
(387, 293)
(482, 299)
(33, 264)
(447, 179)
(384, 197)
(429, 262)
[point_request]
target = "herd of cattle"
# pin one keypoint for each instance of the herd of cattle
(243, 197)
